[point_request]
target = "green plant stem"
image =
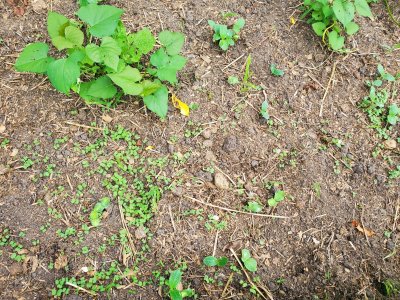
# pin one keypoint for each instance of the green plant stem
(390, 13)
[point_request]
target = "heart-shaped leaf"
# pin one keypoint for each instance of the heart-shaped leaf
(126, 79)
(172, 41)
(103, 19)
(34, 58)
(63, 73)
(158, 102)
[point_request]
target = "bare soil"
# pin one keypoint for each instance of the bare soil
(316, 253)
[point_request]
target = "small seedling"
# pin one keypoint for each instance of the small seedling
(332, 20)
(233, 80)
(246, 84)
(225, 36)
(97, 212)
(278, 197)
(264, 110)
(275, 71)
(393, 114)
(254, 207)
(174, 282)
(212, 261)
(249, 262)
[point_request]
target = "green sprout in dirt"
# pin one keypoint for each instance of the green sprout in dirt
(249, 262)
(275, 71)
(264, 110)
(332, 20)
(279, 196)
(175, 286)
(246, 85)
(254, 207)
(212, 261)
(225, 36)
(97, 212)
(111, 64)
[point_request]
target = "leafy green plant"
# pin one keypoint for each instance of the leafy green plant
(212, 261)
(174, 284)
(225, 36)
(112, 63)
(249, 262)
(393, 114)
(275, 71)
(278, 197)
(97, 212)
(334, 19)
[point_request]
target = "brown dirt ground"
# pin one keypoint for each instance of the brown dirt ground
(317, 240)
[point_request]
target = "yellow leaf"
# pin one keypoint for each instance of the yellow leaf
(292, 20)
(148, 148)
(185, 110)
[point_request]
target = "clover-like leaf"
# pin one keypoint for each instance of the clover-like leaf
(103, 19)
(34, 58)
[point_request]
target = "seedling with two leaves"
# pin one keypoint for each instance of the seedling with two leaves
(212, 261)
(112, 63)
(279, 196)
(225, 36)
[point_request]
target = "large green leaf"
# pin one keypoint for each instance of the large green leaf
(174, 279)
(56, 24)
(344, 11)
(102, 88)
(172, 41)
(363, 9)
(71, 38)
(150, 87)
(34, 58)
(127, 79)
(108, 52)
(335, 40)
(103, 19)
(63, 73)
(158, 102)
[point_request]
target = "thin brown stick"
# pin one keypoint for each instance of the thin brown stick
(327, 89)
(362, 224)
(81, 288)
(171, 217)
(236, 211)
(269, 294)
(215, 243)
(84, 126)
(131, 245)
(227, 285)
(396, 215)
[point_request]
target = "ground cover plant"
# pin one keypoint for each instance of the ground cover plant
(226, 37)
(282, 184)
(103, 61)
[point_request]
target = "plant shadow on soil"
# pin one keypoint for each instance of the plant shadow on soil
(316, 254)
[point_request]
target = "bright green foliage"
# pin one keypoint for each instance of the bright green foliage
(111, 62)
(233, 80)
(275, 71)
(278, 197)
(34, 59)
(225, 36)
(376, 104)
(254, 207)
(246, 84)
(212, 261)
(333, 19)
(249, 262)
(393, 114)
(173, 283)
(264, 110)
(97, 212)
